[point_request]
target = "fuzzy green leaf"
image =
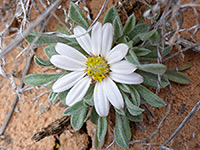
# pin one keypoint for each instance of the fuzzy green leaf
(94, 116)
(77, 119)
(155, 37)
(153, 68)
(149, 96)
(50, 51)
(53, 97)
(152, 79)
(134, 118)
(177, 77)
(185, 67)
(133, 109)
(124, 88)
(119, 133)
(46, 39)
(146, 36)
(88, 99)
(77, 16)
(101, 128)
(135, 96)
(76, 108)
(166, 51)
(62, 96)
(130, 24)
(153, 55)
(132, 58)
(42, 62)
(119, 111)
(139, 28)
(98, 144)
(111, 15)
(40, 79)
(127, 128)
(117, 29)
(141, 51)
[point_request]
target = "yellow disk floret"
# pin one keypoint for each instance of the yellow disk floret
(97, 68)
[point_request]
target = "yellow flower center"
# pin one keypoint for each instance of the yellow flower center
(97, 68)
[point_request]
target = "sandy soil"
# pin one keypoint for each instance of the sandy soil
(30, 116)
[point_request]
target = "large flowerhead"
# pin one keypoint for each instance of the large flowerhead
(103, 66)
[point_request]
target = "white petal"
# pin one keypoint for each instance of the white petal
(100, 100)
(67, 81)
(107, 38)
(123, 67)
(132, 78)
(85, 40)
(64, 49)
(67, 63)
(78, 91)
(117, 53)
(113, 94)
(96, 38)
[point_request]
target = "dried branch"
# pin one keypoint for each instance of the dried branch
(158, 127)
(183, 50)
(28, 62)
(185, 121)
(20, 38)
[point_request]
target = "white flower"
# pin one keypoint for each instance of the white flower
(103, 66)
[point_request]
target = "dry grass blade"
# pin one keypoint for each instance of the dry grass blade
(185, 121)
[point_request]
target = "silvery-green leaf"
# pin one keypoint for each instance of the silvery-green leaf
(185, 67)
(101, 128)
(153, 55)
(127, 128)
(119, 133)
(135, 96)
(46, 39)
(135, 40)
(166, 51)
(139, 28)
(50, 51)
(155, 37)
(130, 24)
(124, 88)
(149, 96)
(40, 79)
(94, 116)
(147, 59)
(119, 111)
(49, 86)
(153, 68)
(62, 96)
(118, 31)
(77, 16)
(152, 79)
(141, 51)
(77, 119)
(177, 77)
(42, 62)
(53, 97)
(111, 15)
(76, 108)
(61, 29)
(134, 118)
(88, 99)
(98, 144)
(132, 58)
(133, 109)
(146, 36)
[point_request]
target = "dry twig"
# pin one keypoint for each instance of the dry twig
(184, 122)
